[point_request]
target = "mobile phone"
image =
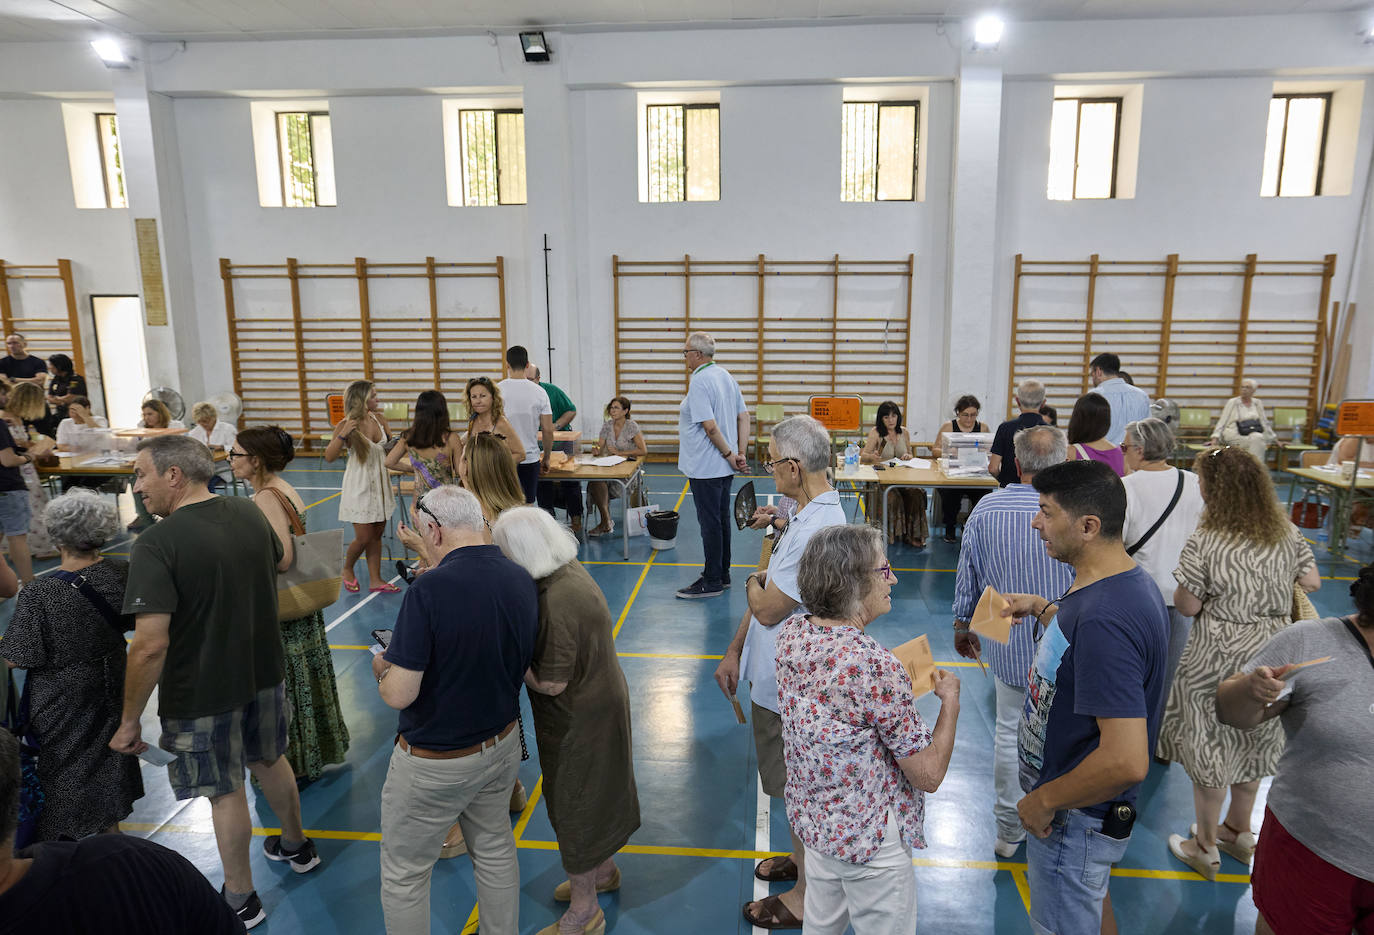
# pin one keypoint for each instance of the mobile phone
(383, 637)
(1120, 818)
(880, 467)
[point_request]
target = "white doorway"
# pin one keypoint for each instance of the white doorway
(123, 356)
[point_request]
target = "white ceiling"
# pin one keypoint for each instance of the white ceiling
(47, 20)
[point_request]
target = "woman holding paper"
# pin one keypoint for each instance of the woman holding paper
(620, 435)
(859, 756)
(1235, 579)
(888, 440)
(966, 410)
(1313, 859)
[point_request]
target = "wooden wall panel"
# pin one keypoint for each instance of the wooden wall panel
(39, 302)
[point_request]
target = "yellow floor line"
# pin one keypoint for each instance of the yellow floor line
(1022, 887)
(325, 500)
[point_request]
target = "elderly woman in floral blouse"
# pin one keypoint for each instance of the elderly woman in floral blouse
(859, 757)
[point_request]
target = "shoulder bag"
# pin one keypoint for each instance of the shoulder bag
(316, 574)
(1178, 492)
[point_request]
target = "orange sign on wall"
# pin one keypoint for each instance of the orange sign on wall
(1355, 417)
(838, 413)
(335, 403)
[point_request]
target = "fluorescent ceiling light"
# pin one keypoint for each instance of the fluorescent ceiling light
(987, 32)
(110, 51)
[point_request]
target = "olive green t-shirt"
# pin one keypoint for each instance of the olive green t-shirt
(213, 566)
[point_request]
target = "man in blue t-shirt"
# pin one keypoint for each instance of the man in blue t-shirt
(1095, 699)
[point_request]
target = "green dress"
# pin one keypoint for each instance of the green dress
(317, 735)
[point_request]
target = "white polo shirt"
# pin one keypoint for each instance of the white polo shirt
(525, 401)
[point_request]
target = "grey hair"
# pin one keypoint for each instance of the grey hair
(1040, 447)
(180, 451)
(836, 570)
(454, 508)
(805, 439)
(1155, 438)
(1030, 394)
(534, 540)
(703, 342)
(1254, 384)
(81, 520)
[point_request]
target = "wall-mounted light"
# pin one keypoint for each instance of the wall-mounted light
(111, 52)
(987, 32)
(535, 47)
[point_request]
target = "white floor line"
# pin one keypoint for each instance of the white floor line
(763, 833)
(358, 606)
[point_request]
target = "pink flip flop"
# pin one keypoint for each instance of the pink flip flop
(385, 589)
(351, 586)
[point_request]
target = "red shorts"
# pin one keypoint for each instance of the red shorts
(1297, 891)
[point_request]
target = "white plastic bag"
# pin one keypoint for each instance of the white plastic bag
(636, 520)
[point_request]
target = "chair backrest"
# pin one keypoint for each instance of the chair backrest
(396, 413)
(1289, 418)
(457, 412)
(768, 412)
(868, 414)
(1193, 418)
(1314, 458)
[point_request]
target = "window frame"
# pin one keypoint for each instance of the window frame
(310, 116)
(1288, 97)
(682, 152)
(913, 103)
(496, 151)
(104, 167)
(1120, 103)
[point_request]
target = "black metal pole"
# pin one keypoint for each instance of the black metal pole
(548, 312)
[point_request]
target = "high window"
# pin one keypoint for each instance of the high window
(682, 151)
(1085, 137)
(879, 144)
(492, 147)
(111, 167)
(1295, 145)
(305, 149)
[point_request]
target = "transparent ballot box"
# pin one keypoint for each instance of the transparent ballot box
(966, 453)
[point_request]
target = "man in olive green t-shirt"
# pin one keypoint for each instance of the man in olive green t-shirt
(563, 414)
(203, 589)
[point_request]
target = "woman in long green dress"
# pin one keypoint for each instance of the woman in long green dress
(317, 735)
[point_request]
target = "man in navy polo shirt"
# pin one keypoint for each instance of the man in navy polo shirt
(1092, 710)
(463, 640)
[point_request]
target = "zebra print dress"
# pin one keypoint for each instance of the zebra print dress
(1247, 597)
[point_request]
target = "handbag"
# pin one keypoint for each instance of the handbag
(1303, 608)
(1309, 512)
(636, 519)
(1178, 492)
(1249, 426)
(316, 574)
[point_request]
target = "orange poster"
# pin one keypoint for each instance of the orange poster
(335, 404)
(1355, 417)
(837, 413)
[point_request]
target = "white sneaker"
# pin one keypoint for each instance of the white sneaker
(1006, 848)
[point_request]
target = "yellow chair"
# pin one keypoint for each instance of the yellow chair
(397, 414)
(457, 412)
(1286, 419)
(1194, 428)
(770, 413)
(868, 415)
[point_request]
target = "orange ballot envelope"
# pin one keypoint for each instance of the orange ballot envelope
(1310, 662)
(739, 712)
(916, 657)
(987, 617)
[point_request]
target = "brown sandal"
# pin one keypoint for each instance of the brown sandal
(784, 870)
(779, 916)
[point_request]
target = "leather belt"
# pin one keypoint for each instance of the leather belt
(424, 754)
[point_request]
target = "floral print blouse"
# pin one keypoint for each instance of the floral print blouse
(847, 717)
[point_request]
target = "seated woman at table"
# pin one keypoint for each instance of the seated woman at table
(966, 410)
(1087, 431)
(156, 415)
(209, 430)
(429, 449)
(1348, 449)
(79, 418)
(1243, 423)
(887, 440)
(620, 435)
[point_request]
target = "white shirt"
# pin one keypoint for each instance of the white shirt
(222, 435)
(758, 662)
(1147, 494)
(69, 433)
(525, 401)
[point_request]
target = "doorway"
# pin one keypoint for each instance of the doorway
(123, 356)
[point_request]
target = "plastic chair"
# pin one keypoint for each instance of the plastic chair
(869, 414)
(770, 413)
(458, 412)
(396, 413)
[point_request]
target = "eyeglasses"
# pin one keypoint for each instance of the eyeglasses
(426, 510)
(886, 571)
(690, 350)
(769, 465)
(231, 454)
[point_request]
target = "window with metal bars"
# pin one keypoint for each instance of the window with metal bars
(1295, 145)
(682, 142)
(492, 146)
(879, 142)
(111, 165)
(1085, 136)
(306, 153)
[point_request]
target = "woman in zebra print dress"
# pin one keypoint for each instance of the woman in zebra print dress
(1235, 576)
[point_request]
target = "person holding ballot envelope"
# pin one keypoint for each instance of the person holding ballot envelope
(859, 756)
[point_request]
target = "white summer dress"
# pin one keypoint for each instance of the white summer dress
(367, 495)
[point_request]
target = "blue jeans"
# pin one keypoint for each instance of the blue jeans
(711, 495)
(529, 479)
(1068, 874)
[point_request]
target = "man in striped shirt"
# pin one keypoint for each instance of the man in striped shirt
(1001, 549)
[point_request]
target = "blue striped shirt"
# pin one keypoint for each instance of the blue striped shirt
(1001, 549)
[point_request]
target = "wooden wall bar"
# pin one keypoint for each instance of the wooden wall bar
(1193, 344)
(289, 352)
(51, 329)
(818, 344)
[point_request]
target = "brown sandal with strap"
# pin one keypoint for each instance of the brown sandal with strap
(784, 870)
(778, 915)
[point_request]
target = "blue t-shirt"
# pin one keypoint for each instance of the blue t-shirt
(1103, 655)
(469, 624)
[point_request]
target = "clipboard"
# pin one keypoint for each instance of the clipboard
(919, 662)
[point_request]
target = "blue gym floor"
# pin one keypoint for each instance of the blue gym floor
(705, 824)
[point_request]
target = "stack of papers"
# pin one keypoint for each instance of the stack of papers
(108, 460)
(920, 464)
(607, 461)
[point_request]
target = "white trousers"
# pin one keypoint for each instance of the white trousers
(1255, 442)
(878, 898)
(1006, 783)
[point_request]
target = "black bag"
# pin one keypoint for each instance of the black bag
(1249, 426)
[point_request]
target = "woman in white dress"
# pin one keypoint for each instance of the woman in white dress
(24, 407)
(367, 499)
(1243, 422)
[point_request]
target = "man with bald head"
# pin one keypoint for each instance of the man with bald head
(19, 366)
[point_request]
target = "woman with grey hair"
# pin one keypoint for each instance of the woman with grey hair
(859, 757)
(1243, 423)
(581, 709)
(67, 632)
(1163, 505)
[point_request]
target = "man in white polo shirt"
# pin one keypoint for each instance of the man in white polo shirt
(799, 453)
(527, 407)
(713, 428)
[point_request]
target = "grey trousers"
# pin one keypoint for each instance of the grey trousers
(419, 800)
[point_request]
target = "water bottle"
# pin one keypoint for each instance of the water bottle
(1322, 535)
(851, 458)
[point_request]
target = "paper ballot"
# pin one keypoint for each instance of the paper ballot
(987, 617)
(916, 657)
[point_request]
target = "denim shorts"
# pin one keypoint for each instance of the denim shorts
(15, 512)
(212, 751)
(1068, 874)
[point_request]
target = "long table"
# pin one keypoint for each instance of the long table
(79, 466)
(621, 475)
(1343, 499)
(898, 478)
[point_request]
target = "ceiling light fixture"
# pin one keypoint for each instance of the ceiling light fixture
(111, 52)
(535, 47)
(987, 32)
